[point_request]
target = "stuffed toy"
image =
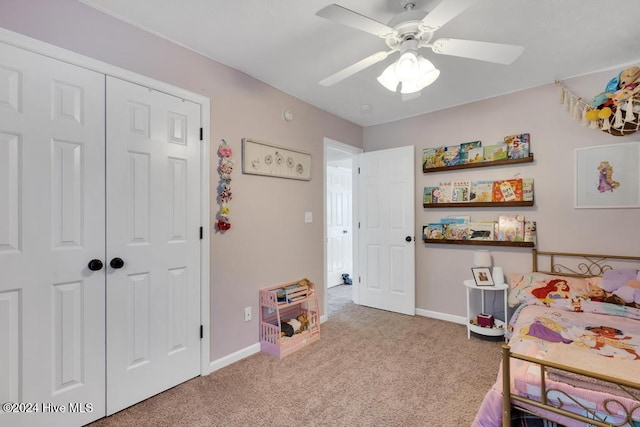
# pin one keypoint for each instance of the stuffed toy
(294, 326)
(624, 285)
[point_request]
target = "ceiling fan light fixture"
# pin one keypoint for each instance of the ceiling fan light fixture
(407, 67)
(388, 78)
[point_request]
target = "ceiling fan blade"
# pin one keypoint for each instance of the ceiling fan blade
(445, 11)
(483, 51)
(355, 20)
(352, 69)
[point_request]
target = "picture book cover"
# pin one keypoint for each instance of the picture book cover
(458, 219)
(527, 189)
(530, 234)
(428, 158)
(464, 150)
(509, 190)
(511, 228)
(452, 155)
(487, 152)
(500, 151)
(434, 230)
(475, 155)
(460, 191)
(428, 195)
(438, 158)
(480, 230)
(444, 192)
(481, 191)
(517, 145)
(456, 231)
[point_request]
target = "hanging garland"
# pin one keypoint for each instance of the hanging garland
(609, 112)
(224, 188)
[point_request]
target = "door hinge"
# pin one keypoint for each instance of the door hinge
(358, 225)
(201, 134)
(358, 170)
(201, 232)
(359, 279)
(201, 331)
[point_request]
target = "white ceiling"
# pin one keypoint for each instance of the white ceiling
(284, 44)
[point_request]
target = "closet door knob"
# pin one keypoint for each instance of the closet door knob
(95, 265)
(408, 238)
(116, 263)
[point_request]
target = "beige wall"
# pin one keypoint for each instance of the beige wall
(269, 242)
(440, 269)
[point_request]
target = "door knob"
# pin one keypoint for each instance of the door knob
(95, 265)
(116, 263)
(408, 238)
(344, 231)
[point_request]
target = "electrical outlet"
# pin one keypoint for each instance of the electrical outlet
(247, 314)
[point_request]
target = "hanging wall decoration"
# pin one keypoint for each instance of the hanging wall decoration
(616, 110)
(224, 188)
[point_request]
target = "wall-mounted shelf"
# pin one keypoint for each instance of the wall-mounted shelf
(481, 243)
(504, 162)
(478, 204)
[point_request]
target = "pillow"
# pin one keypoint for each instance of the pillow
(614, 279)
(545, 288)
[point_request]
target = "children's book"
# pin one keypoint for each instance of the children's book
(464, 150)
(530, 234)
(452, 155)
(428, 158)
(517, 146)
(500, 151)
(527, 189)
(456, 231)
(444, 192)
(460, 191)
(480, 230)
(459, 219)
(438, 158)
(481, 191)
(434, 231)
(511, 228)
(509, 190)
(429, 196)
(475, 155)
(487, 152)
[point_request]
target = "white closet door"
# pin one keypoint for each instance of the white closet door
(153, 222)
(52, 350)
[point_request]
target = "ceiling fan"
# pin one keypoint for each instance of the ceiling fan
(408, 32)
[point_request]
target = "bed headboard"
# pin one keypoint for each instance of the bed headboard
(580, 265)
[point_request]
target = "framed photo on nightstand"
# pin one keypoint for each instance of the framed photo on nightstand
(482, 276)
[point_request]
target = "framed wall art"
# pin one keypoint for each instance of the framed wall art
(259, 158)
(608, 176)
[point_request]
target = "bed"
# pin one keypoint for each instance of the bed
(573, 351)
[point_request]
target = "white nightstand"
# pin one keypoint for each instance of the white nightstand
(500, 325)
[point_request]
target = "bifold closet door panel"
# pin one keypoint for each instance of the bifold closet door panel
(153, 223)
(52, 215)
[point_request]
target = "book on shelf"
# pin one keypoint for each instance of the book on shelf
(500, 151)
(444, 192)
(452, 155)
(527, 189)
(428, 158)
(509, 190)
(481, 191)
(511, 228)
(434, 230)
(464, 150)
(460, 191)
(475, 155)
(458, 219)
(438, 158)
(530, 233)
(487, 152)
(480, 230)
(517, 145)
(456, 231)
(428, 196)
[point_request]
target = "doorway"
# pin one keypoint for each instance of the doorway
(340, 205)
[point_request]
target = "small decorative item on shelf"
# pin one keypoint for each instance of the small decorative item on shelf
(224, 188)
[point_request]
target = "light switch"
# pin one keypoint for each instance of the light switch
(308, 217)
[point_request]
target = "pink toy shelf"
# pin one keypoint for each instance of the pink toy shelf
(281, 303)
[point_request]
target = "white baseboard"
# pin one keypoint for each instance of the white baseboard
(234, 357)
(441, 316)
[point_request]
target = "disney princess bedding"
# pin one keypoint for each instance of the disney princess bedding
(591, 324)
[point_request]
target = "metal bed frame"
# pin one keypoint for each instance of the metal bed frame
(574, 265)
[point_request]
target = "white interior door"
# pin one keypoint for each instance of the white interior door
(153, 217)
(339, 224)
(386, 246)
(52, 350)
